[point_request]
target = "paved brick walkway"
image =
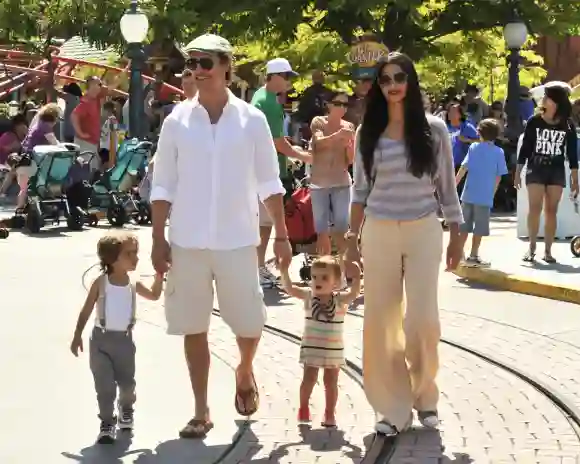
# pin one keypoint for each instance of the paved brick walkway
(487, 415)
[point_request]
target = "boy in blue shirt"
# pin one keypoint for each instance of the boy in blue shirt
(484, 166)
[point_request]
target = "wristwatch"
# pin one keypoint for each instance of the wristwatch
(350, 235)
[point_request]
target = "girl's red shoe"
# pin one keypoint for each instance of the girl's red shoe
(303, 415)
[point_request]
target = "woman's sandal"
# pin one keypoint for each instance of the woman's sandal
(247, 401)
(549, 259)
(529, 257)
(196, 428)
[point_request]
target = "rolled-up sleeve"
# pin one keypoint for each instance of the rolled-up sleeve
(164, 180)
(266, 168)
(360, 186)
(445, 180)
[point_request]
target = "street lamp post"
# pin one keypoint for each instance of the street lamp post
(515, 35)
(134, 27)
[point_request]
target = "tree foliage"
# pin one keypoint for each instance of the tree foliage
(414, 26)
(478, 58)
(411, 25)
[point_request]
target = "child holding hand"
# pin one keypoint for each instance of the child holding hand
(111, 347)
(322, 344)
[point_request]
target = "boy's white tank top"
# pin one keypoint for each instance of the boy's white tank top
(118, 307)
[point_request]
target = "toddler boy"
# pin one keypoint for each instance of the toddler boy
(484, 165)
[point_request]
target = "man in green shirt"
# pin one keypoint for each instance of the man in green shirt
(278, 74)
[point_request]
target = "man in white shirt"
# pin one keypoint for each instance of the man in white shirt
(215, 157)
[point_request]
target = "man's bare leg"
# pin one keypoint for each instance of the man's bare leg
(198, 361)
(245, 370)
(265, 232)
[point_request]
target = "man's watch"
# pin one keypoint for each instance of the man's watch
(350, 235)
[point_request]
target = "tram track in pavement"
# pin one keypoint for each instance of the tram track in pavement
(557, 399)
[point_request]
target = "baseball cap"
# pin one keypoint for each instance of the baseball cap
(279, 66)
(210, 43)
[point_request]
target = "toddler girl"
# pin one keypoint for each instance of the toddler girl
(322, 341)
(111, 347)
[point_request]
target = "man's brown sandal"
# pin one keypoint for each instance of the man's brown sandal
(247, 401)
(196, 428)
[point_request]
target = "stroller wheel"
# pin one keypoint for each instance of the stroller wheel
(4, 233)
(143, 216)
(575, 246)
(116, 216)
(93, 220)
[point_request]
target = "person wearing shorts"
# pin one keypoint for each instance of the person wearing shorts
(549, 140)
(484, 165)
(330, 181)
(213, 226)
(278, 75)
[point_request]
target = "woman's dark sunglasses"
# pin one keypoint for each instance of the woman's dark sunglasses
(397, 78)
(339, 103)
(204, 63)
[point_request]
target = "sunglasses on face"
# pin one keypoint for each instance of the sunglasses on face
(204, 63)
(342, 104)
(397, 78)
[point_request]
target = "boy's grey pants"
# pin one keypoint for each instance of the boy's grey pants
(112, 361)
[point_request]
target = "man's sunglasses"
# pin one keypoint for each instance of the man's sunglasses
(397, 78)
(204, 63)
(339, 103)
(284, 75)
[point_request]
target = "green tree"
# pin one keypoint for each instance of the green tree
(309, 51)
(414, 26)
(479, 58)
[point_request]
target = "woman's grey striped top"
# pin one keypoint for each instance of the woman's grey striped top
(399, 195)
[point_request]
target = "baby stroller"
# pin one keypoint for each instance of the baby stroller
(47, 198)
(300, 225)
(112, 194)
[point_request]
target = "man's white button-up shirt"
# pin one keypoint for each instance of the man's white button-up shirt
(213, 174)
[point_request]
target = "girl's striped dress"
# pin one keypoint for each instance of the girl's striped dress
(323, 339)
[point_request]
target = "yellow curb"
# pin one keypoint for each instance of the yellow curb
(518, 284)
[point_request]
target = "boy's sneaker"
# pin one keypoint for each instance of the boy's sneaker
(267, 279)
(476, 261)
(125, 421)
(106, 434)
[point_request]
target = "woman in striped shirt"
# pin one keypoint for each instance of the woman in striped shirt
(403, 156)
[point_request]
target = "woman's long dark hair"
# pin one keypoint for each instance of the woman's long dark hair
(421, 158)
(560, 96)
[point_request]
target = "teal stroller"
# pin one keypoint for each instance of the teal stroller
(112, 194)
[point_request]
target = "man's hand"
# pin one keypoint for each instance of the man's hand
(76, 345)
(161, 255)
(283, 253)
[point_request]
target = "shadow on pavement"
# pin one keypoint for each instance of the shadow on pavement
(319, 440)
(276, 297)
(178, 451)
(429, 441)
(557, 267)
(106, 454)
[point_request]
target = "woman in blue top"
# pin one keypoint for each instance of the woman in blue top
(462, 132)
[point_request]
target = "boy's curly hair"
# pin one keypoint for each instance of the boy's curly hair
(328, 262)
(109, 248)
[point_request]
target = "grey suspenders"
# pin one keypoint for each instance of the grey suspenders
(102, 300)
